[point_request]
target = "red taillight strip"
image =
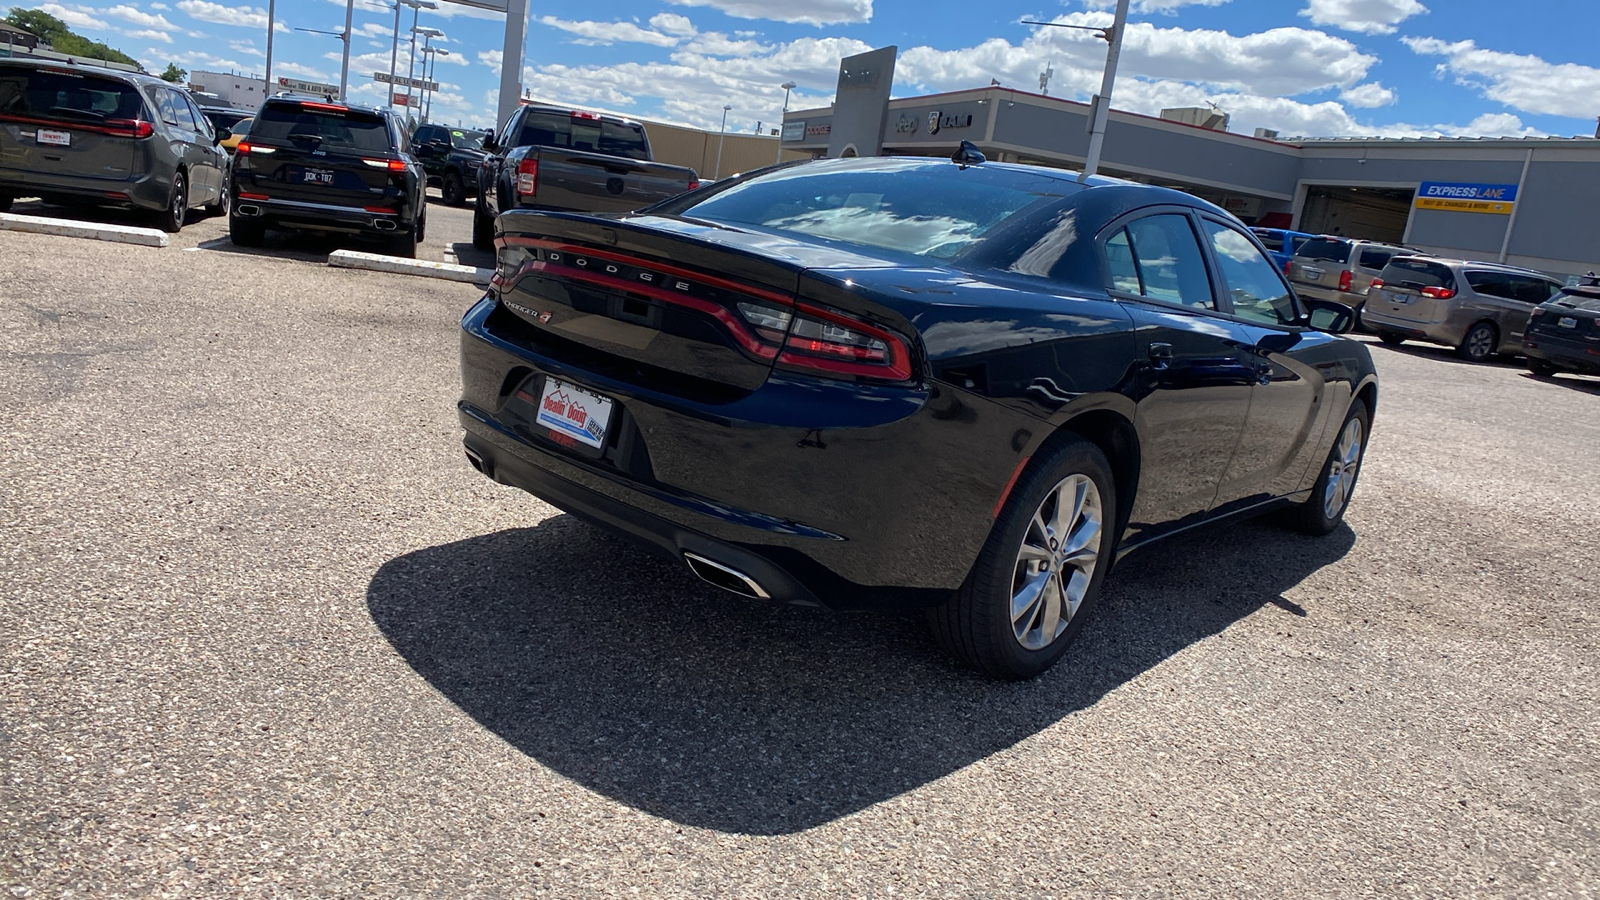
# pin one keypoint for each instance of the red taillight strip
(781, 299)
(132, 129)
(739, 330)
(897, 366)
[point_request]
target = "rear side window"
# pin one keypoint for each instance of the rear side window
(1531, 290)
(569, 132)
(1375, 258)
(323, 127)
(1325, 248)
(1272, 240)
(1492, 284)
(1417, 274)
(1168, 261)
(67, 96)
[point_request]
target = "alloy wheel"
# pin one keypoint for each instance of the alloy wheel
(1480, 343)
(1342, 469)
(1056, 561)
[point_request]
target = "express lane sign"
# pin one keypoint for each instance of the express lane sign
(1454, 196)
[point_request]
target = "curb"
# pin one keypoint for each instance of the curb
(375, 262)
(120, 234)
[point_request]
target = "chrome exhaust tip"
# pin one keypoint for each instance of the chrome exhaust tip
(384, 224)
(725, 577)
(247, 209)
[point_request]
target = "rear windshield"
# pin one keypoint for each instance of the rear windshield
(1376, 257)
(67, 96)
(1325, 248)
(1579, 298)
(224, 118)
(623, 139)
(1272, 240)
(322, 128)
(916, 209)
(1417, 274)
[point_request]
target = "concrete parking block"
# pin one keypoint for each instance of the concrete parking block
(376, 262)
(95, 231)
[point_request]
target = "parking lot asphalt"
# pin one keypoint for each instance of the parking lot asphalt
(264, 631)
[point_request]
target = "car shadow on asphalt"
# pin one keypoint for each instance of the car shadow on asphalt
(1445, 354)
(101, 215)
(1586, 384)
(618, 670)
(468, 255)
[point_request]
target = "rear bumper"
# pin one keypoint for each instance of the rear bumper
(1572, 355)
(1433, 332)
(320, 216)
(822, 494)
(143, 192)
(1318, 292)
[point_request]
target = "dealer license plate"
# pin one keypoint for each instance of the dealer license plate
(58, 138)
(1567, 322)
(319, 176)
(1310, 272)
(574, 412)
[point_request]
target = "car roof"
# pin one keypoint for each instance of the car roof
(104, 71)
(284, 97)
(1455, 262)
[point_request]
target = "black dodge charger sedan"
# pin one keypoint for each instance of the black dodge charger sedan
(956, 385)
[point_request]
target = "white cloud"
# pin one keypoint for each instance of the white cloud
(161, 6)
(1368, 96)
(810, 12)
(493, 59)
(672, 23)
(73, 17)
(152, 35)
(202, 60)
(1527, 83)
(299, 71)
(609, 32)
(241, 16)
(1365, 16)
(246, 47)
(139, 17)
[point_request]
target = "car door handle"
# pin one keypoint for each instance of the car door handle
(1160, 356)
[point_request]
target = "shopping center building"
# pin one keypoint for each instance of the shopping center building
(1525, 201)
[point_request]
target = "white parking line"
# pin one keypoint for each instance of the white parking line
(122, 234)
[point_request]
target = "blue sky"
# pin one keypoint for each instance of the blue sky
(1303, 67)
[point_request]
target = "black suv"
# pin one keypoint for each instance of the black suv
(451, 157)
(309, 165)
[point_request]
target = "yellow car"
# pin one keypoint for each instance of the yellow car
(239, 128)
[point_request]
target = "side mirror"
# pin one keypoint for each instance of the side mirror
(490, 145)
(221, 135)
(1326, 315)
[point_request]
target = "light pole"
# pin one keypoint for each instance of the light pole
(394, 51)
(344, 73)
(428, 71)
(344, 60)
(722, 133)
(426, 32)
(272, 19)
(787, 87)
(1101, 107)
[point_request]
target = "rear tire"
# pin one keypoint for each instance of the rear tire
(453, 191)
(1390, 339)
(403, 246)
(1541, 369)
(5, 202)
(171, 218)
(482, 229)
(1336, 483)
(246, 234)
(1480, 343)
(1045, 559)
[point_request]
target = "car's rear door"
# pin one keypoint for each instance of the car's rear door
(326, 153)
(70, 124)
(206, 159)
(1194, 372)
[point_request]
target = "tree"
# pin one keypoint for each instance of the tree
(174, 74)
(62, 39)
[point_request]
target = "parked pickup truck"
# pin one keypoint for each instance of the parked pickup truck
(551, 158)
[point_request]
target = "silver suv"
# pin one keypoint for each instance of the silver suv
(1477, 308)
(1339, 269)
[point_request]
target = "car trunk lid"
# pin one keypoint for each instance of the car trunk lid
(670, 302)
(64, 123)
(1320, 261)
(1414, 290)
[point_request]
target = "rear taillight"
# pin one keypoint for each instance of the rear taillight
(1286, 267)
(527, 177)
(694, 185)
(1377, 282)
(833, 343)
(134, 128)
(246, 148)
(1344, 280)
(1438, 293)
(393, 165)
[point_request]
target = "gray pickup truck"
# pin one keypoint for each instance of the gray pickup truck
(551, 158)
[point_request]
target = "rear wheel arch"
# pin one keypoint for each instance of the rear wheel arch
(1116, 436)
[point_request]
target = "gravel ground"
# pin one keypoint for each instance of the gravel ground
(263, 631)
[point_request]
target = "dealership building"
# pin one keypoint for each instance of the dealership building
(1531, 202)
